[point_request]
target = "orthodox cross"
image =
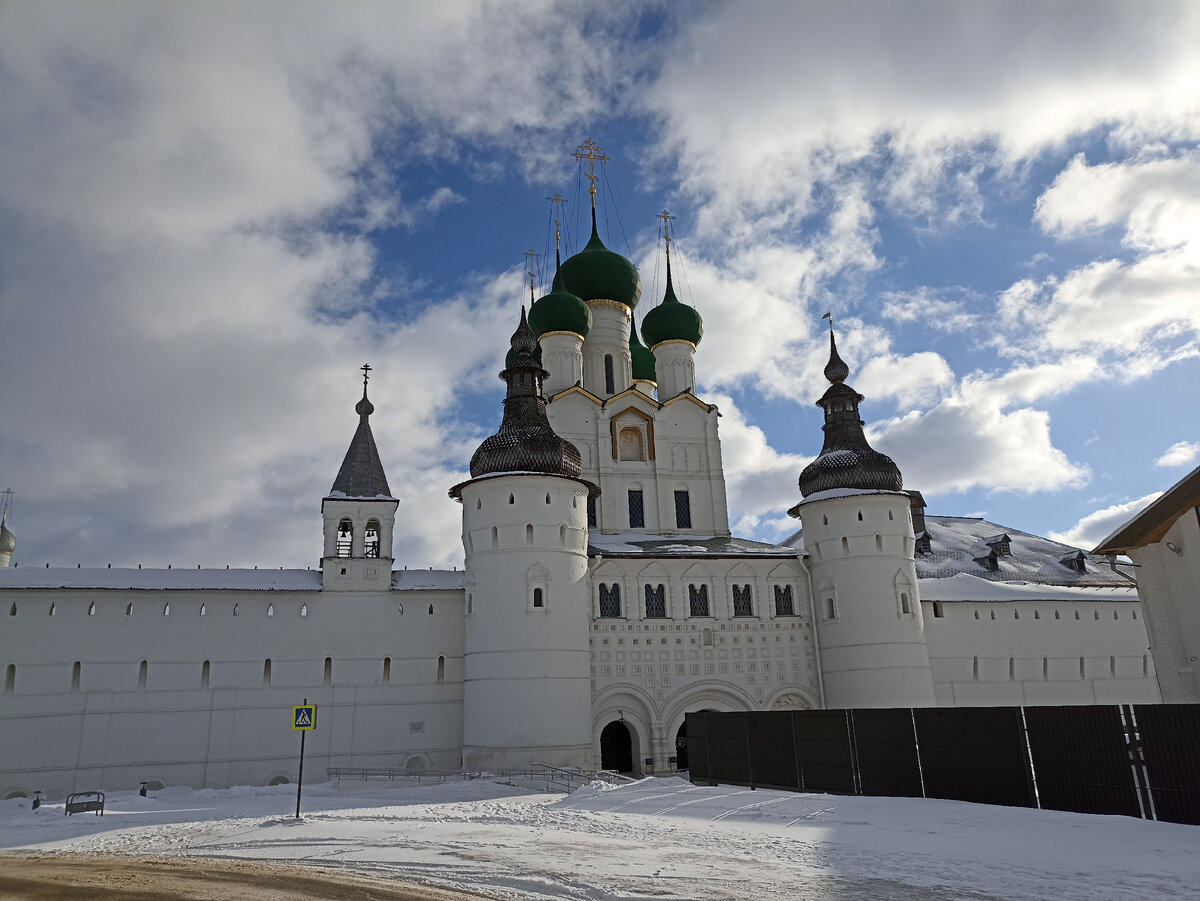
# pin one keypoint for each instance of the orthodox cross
(366, 368)
(558, 200)
(531, 253)
(593, 153)
(8, 493)
(666, 218)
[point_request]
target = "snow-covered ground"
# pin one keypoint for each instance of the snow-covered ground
(655, 839)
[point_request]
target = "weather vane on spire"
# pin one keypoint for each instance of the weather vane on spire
(558, 200)
(666, 218)
(829, 316)
(532, 254)
(593, 153)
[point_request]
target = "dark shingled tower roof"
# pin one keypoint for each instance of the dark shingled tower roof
(846, 459)
(361, 474)
(525, 441)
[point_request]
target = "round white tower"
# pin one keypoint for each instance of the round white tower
(859, 539)
(527, 682)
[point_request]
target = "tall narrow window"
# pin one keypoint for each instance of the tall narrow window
(591, 510)
(609, 386)
(637, 510)
(267, 671)
(270, 609)
(905, 604)
(610, 600)
(441, 672)
(938, 610)
(830, 607)
(743, 605)
(92, 609)
(205, 669)
(529, 534)
(784, 605)
(1012, 669)
(371, 539)
(327, 678)
(10, 678)
(304, 609)
(698, 600)
(539, 599)
(387, 669)
(656, 601)
(129, 609)
(683, 510)
(142, 669)
(75, 676)
(345, 536)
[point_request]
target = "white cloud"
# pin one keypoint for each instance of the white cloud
(1179, 454)
(924, 306)
(1095, 527)
(913, 379)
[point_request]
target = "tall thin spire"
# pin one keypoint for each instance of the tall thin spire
(532, 255)
(666, 218)
(593, 154)
(558, 200)
(361, 473)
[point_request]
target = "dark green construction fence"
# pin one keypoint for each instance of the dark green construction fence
(1135, 760)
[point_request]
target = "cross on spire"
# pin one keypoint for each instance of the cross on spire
(531, 254)
(366, 369)
(558, 200)
(666, 218)
(593, 153)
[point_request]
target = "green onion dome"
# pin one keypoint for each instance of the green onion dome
(672, 320)
(560, 311)
(643, 359)
(596, 273)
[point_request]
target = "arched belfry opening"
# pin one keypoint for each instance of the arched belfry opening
(616, 747)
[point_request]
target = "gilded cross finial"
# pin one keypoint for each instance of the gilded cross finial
(558, 200)
(666, 218)
(593, 154)
(532, 254)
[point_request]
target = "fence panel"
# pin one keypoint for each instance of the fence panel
(773, 750)
(974, 754)
(823, 746)
(728, 753)
(886, 748)
(1082, 760)
(1170, 738)
(697, 732)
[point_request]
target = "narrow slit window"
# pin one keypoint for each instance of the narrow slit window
(267, 671)
(205, 670)
(591, 512)
(683, 510)
(387, 669)
(441, 669)
(327, 678)
(143, 669)
(75, 676)
(10, 678)
(609, 380)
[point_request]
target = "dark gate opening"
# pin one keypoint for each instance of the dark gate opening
(616, 748)
(681, 757)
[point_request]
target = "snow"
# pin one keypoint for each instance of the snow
(427, 580)
(163, 579)
(634, 544)
(963, 587)
(843, 492)
(658, 838)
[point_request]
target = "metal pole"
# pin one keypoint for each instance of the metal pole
(300, 778)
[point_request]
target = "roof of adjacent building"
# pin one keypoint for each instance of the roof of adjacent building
(1152, 524)
(210, 579)
(638, 544)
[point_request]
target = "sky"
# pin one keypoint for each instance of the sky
(652, 840)
(211, 215)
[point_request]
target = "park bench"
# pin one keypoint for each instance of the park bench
(85, 802)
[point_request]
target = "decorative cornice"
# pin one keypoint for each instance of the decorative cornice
(561, 332)
(601, 302)
(675, 341)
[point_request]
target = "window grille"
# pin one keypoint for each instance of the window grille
(591, 512)
(742, 603)
(656, 601)
(610, 600)
(683, 510)
(637, 509)
(698, 600)
(609, 381)
(784, 605)
(924, 544)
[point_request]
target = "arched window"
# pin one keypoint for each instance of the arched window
(53, 607)
(683, 509)
(270, 609)
(345, 538)
(441, 670)
(656, 601)
(629, 444)
(304, 609)
(371, 539)
(143, 667)
(830, 607)
(129, 609)
(167, 609)
(267, 671)
(609, 380)
(538, 598)
(75, 676)
(610, 600)
(92, 609)
(845, 546)
(529, 534)
(706, 638)
(205, 668)
(698, 600)
(743, 604)
(327, 678)
(387, 669)
(784, 605)
(10, 678)
(905, 604)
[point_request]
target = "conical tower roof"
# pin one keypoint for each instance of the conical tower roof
(846, 459)
(362, 473)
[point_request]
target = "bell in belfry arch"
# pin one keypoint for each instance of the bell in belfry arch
(344, 529)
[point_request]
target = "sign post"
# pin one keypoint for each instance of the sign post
(304, 718)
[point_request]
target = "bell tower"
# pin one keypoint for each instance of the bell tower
(359, 514)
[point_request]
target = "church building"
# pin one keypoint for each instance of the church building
(601, 599)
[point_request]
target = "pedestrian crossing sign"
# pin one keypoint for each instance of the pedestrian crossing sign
(304, 716)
